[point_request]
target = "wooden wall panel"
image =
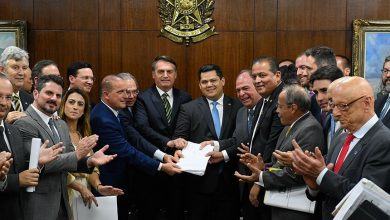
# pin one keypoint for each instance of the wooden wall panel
(233, 17)
(139, 50)
(265, 15)
(65, 47)
(312, 15)
(123, 35)
(66, 14)
(140, 15)
(370, 10)
(230, 50)
(16, 10)
(109, 15)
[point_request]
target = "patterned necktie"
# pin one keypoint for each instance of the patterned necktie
(167, 107)
(3, 145)
(250, 119)
(385, 108)
(56, 138)
(343, 153)
(17, 102)
(217, 123)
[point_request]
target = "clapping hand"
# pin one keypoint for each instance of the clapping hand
(48, 154)
(99, 158)
(254, 163)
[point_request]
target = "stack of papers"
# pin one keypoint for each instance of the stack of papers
(107, 209)
(364, 190)
(194, 160)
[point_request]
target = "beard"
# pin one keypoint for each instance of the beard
(387, 88)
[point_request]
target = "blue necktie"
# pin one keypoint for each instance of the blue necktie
(384, 110)
(215, 114)
(332, 126)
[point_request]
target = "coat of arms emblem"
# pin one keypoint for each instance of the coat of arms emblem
(187, 20)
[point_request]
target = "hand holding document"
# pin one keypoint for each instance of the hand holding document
(194, 159)
(34, 155)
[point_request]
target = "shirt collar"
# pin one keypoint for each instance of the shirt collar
(219, 101)
(298, 119)
(366, 127)
(160, 92)
(116, 113)
(16, 93)
(42, 115)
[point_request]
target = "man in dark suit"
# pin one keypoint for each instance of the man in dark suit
(320, 80)
(265, 130)
(155, 116)
(293, 109)
(14, 63)
(382, 103)
(106, 124)
(211, 117)
(363, 152)
(17, 176)
(51, 193)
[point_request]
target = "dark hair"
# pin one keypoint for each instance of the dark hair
(37, 69)
(346, 61)
(49, 78)
(322, 55)
(329, 72)
(83, 125)
(289, 74)
(273, 67)
(296, 94)
(74, 67)
(163, 58)
(210, 67)
(387, 59)
(286, 60)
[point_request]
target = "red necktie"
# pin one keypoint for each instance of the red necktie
(343, 153)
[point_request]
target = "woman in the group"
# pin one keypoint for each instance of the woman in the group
(74, 110)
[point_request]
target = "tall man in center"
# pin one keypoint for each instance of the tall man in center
(211, 117)
(155, 115)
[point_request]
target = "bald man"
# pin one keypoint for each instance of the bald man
(362, 152)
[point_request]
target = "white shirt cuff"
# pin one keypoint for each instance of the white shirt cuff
(159, 167)
(312, 192)
(261, 181)
(225, 156)
(159, 155)
(257, 183)
(216, 146)
(322, 174)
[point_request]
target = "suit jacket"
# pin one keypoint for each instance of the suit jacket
(132, 134)
(150, 119)
(195, 124)
(269, 126)
(52, 186)
(11, 199)
(307, 131)
(105, 124)
(370, 158)
(25, 98)
(379, 104)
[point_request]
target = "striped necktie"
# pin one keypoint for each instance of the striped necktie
(167, 107)
(17, 102)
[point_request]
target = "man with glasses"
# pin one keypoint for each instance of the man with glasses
(382, 104)
(362, 152)
(80, 75)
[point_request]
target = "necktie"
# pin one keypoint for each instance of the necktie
(288, 130)
(250, 119)
(56, 138)
(215, 114)
(385, 108)
(17, 102)
(3, 145)
(343, 153)
(167, 107)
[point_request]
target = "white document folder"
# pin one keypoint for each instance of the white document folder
(194, 160)
(107, 209)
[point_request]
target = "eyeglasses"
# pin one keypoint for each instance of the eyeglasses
(134, 92)
(343, 106)
(281, 105)
(385, 71)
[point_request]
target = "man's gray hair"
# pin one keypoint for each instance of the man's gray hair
(295, 94)
(14, 53)
(127, 76)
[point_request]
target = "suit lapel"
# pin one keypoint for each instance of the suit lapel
(204, 108)
(12, 145)
(176, 102)
(157, 102)
(31, 112)
(336, 149)
(227, 109)
(281, 139)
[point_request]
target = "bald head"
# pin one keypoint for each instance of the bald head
(352, 102)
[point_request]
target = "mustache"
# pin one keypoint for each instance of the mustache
(52, 102)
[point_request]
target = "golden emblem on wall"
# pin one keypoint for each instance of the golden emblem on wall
(187, 20)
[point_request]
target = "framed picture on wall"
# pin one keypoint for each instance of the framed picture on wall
(370, 46)
(13, 33)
